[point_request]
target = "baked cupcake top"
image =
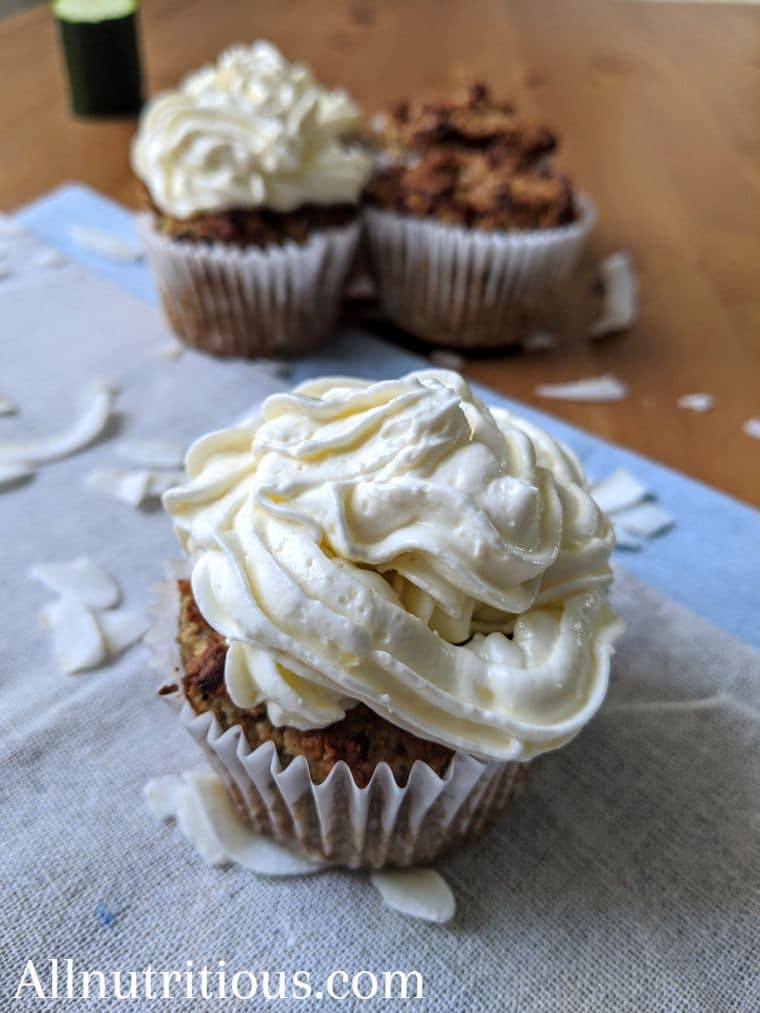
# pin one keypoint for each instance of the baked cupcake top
(402, 545)
(473, 162)
(251, 131)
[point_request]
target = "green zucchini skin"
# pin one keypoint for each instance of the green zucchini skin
(103, 64)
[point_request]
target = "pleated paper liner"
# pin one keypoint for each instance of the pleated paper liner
(335, 821)
(468, 288)
(235, 301)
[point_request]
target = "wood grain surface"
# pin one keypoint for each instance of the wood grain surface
(657, 106)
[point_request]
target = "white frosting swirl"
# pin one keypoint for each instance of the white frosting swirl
(251, 131)
(400, 544)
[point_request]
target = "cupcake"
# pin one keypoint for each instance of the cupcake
(251, 184)
(470, 228)
(397, 599)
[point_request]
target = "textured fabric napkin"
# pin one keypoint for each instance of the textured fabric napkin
(625, 876)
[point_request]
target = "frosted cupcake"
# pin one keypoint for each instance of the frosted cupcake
(397, 599)
(252, 184)
(470, 229)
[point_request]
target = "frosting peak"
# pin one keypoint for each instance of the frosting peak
(250, 131)
(402, 544)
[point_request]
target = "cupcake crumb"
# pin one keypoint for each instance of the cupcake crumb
(362, 739)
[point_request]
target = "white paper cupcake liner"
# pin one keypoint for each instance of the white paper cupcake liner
(336, 821)
(232, 301)
(468, 288)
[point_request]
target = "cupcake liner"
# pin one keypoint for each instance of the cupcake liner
(232, 301)
(468, 288)
(335, 821)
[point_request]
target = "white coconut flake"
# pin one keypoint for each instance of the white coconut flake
(447, 360)
(539, 341)
(48, 257)
(593, 388)
(619, 310)
(752, 427)
(134, 486)
(79, 435)
(12, 473)
(645, 520)
(77, 639)
(207, 818)
(7, 407)
(171, 349)
(420, 893)
(161, 481)
(155, 453)
(698, 402)
(121, 629)
(82, 579)
(624, 539)
(105, 244)
(124, 484)
(618, 491)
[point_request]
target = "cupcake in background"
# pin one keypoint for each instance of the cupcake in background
(470, 228)
(252, 182)
(397, 599)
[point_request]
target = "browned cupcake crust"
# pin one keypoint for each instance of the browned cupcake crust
(362, 739)
(254, 227)
(477, 122)
(473, 163)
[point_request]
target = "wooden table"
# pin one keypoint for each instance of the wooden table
(658, 109)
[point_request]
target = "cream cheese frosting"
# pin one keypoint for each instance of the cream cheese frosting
(402, 544)
(251, 131)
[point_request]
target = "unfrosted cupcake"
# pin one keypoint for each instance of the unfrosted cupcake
(252, 181)
(397, 599)
(470, 229)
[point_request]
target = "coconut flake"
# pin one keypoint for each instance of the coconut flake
(447, 360)
(105, 244)
(48, 257)
(752, 427)
(593, 388)
(77, 638)
(7, 407)
(161, 482)
(154, 453)
(79, 435)
(624, 539)
(171, 349)
(121, 629)
(698, 402)
(207, 818)
(126, 485)
(645, 520)
(619, 311)
(420, 893)
(81, 579)
(13, 472)
(618, 491)
(539, 341)
(133, 486)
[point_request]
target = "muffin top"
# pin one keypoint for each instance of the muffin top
(251, 131)
(472, 162)
(402, 545)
